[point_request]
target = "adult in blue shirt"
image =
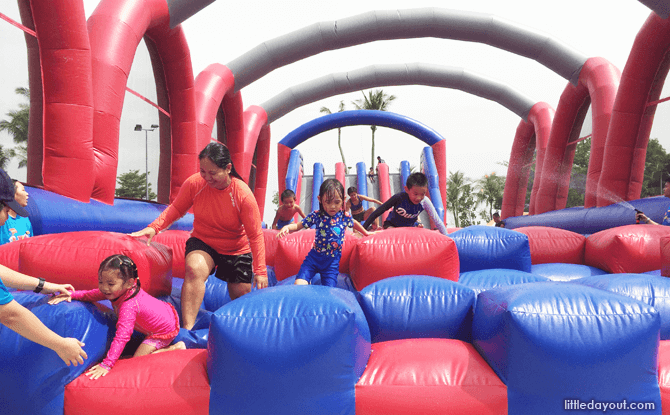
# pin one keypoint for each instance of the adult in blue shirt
(14, 315)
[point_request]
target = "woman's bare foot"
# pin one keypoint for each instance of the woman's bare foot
(176, 346)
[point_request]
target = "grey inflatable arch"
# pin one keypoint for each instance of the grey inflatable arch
(405, 24)
(392, 75)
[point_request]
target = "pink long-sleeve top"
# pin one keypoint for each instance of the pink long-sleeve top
(143, 313)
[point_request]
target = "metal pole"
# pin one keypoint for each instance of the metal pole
(146, 163)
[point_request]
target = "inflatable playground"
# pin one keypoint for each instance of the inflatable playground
(562, 309)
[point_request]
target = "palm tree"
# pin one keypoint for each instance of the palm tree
(490, 191)
(339, 132)
(455, 184)
(374, 100)
(17, 127)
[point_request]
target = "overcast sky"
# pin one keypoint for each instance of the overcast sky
(479, 132)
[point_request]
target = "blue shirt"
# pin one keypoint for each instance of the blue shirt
(5, 296)
(405, 213)
(15, 229)
(666, 220)
(329, 231)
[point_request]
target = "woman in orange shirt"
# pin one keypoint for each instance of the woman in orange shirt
(226, 231)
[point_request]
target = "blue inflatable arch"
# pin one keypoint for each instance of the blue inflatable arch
(361, 117)
(437, 172)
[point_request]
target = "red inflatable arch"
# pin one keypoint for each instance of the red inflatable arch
(632, 117)
(61, 98)
(598, 84)
(75, 110)
(531, 137)
(112, 57)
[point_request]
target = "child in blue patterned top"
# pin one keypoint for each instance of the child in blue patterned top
(330, 222)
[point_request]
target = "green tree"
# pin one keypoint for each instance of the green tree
(461, 200)
(275, 199)
(4, 159)
(339, 132)
(656, 167)
(132, 185)
(374, 100)
(580, 168)
(17, 127)
(489, 190)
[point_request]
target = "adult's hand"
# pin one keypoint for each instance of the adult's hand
(71, 351)
(260, 282)
(146, 232)
(51, 288)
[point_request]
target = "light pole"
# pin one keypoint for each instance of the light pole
(138, 127)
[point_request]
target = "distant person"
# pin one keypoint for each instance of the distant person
(118, 282)
(355, 206)
(17, 227)
(498, 222)
(379, 161)
(642, 218)
(330, 222)
(371, 175)
(406, 206)
(16, 317)
(286, 210)
(226, 236)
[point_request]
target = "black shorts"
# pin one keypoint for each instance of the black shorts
(359, 216)
(229, 268)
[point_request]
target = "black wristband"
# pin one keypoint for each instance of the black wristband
(40, 285)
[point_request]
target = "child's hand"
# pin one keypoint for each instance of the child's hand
(60, 298)
(283, 232)
(96, 371)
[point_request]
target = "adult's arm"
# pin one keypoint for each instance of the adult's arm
(22, 321)
(174, 211)
(251, 220)
(369, 199)
(430, 209)
(381, 209)
(178, 208)
(25, 282)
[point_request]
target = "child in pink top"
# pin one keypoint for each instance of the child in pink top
(136, 310)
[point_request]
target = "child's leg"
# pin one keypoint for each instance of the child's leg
(330, 272)
(329, 280)
(144, 350)
(149, 346)
(176, 346)
(307, 269)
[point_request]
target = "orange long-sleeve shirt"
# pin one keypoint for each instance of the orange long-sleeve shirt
(228, 220)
